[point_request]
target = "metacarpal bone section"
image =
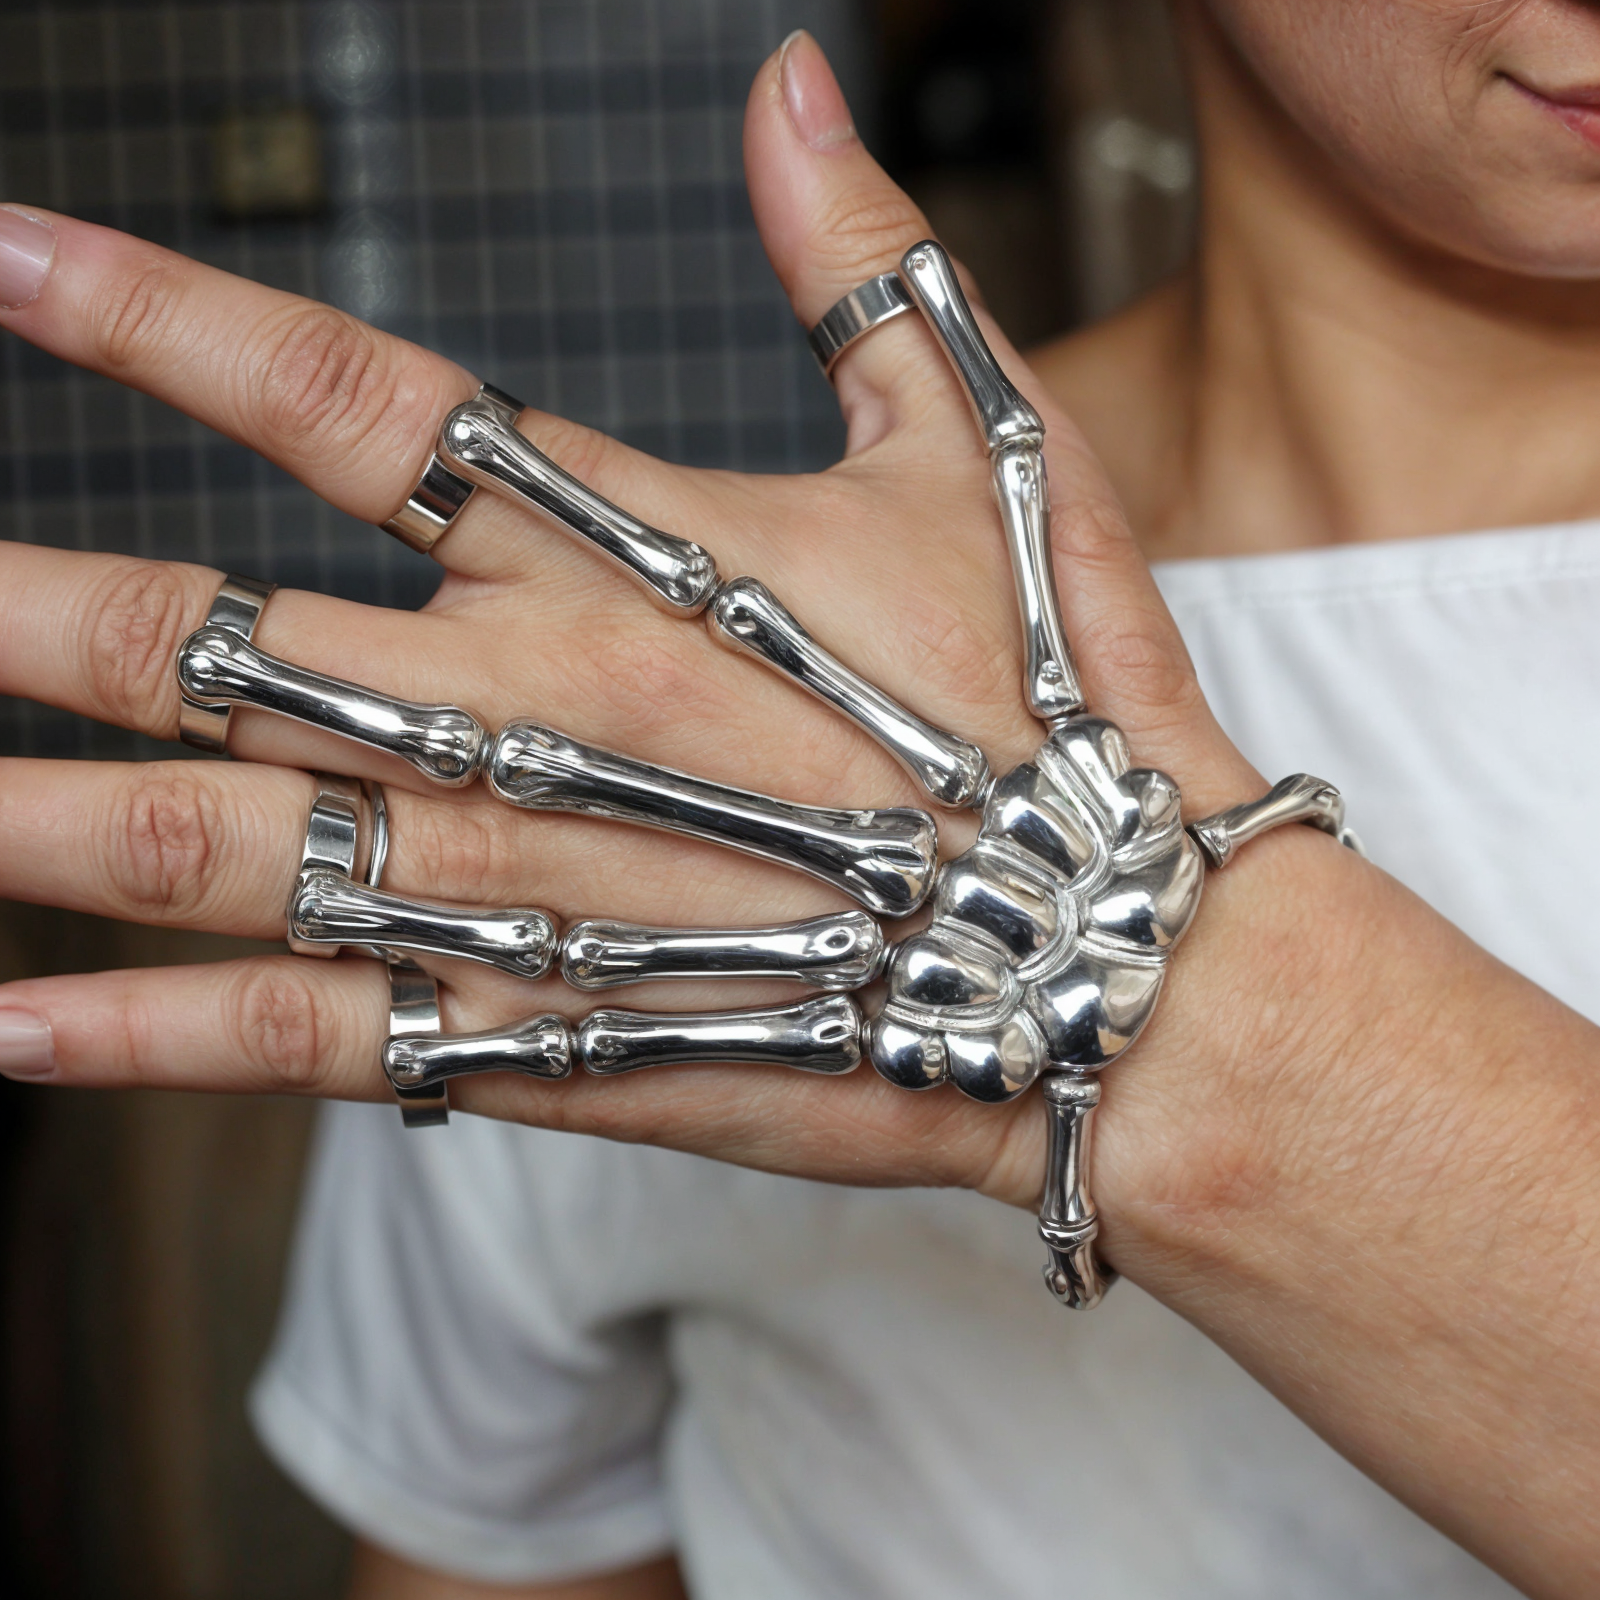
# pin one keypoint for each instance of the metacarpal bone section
(1014, 434)
(746, 616)
(839, 952)
(820, 1035)
(1051, 935)
(442, 742)
(884, 859)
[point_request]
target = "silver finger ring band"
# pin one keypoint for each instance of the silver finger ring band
(237, 608)
(872, 303)
(347, 839)
(414, 1014)
(441, 494)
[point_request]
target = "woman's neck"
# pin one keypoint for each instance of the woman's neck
(1317, 378)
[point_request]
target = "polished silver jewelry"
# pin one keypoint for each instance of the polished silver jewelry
(540, 1047)
(347, 839)
(1050, 937)
(218, 667)
(237, 608)
(746, 616)
(839, 952)
(1300, 798)
(414, 1019)
(480, 442)
(866, 307)
(820, 1035)
(337, 901)
(884, 859)
(440, 495)
(329, 910)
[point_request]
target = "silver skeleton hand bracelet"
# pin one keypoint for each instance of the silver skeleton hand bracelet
(1049, 937)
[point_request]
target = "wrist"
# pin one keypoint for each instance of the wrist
(1263, 1021)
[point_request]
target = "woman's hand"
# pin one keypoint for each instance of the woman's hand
(1307, 1153)
(894, 559)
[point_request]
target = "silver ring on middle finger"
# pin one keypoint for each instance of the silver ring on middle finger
(237, 607)
(336, 901)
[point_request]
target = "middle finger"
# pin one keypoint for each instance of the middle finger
(216, 847)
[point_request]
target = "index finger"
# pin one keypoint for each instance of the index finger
(349, 410)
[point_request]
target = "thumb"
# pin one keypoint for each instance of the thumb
(831, 218)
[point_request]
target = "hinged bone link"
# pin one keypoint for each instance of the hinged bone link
(480, 441)
(883, 859)
(1297, 798)
(217, 666)
(1014, 435)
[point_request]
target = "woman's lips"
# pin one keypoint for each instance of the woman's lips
(1578, 109)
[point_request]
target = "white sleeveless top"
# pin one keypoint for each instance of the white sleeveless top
(516, 1355)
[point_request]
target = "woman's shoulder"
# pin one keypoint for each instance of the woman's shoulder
(1123, 380)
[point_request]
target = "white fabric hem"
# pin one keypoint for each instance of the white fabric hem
(358, 1493)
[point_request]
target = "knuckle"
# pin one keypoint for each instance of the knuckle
(1143, 665)
(137, 621)
(319, 374)
(278, 1026)
(455, 852)
(868, 228)
(136, 312)
(165, 859)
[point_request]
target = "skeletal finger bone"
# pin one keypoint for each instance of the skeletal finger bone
(1014, 434)
(327, 910)
(443, 742)
(538, 1047)
(884, 859)
(746, 616)
(839, 952)
(821, 1035)
(479, 440)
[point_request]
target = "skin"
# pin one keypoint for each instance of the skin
(1396, 238)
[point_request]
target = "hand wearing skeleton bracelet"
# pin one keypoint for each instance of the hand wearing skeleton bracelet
(894, 563)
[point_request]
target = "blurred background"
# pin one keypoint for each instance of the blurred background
(549, 191)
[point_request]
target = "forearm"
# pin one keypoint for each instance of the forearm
(1380, 1195)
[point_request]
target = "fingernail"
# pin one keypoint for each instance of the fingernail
(27, 1049)
(27, 247)
(812, 95)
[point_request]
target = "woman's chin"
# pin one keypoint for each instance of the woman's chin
(1526, 230)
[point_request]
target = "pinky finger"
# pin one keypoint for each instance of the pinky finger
(266, 1025)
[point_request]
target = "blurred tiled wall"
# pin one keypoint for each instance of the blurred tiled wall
(548, 191)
